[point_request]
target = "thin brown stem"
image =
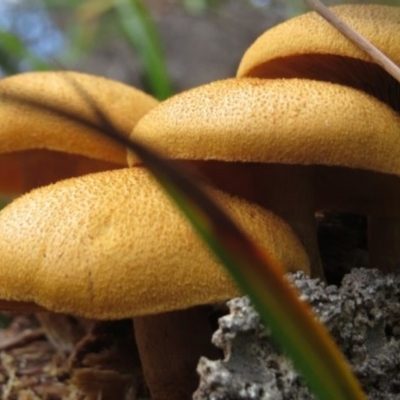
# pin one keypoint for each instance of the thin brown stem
(170, 346)
(21, 339)
(383, 243)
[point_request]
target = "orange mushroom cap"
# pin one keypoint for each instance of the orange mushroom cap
(311, 34)
(287, 121)
(307, 46)
(111, 245)
(63, 147)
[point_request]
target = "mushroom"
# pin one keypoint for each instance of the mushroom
(38, 147)
(294, 146)
(110, 245)
(308, 47)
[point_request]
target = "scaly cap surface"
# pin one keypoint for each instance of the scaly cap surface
(111, 245)
(309, 47)
(24, 127)
(288, 121)
(311, 34)
(29, 135)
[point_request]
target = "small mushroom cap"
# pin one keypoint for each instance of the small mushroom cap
(29, 134)
(24, 127)
(111, 245)
(288, 121)
(311, 34)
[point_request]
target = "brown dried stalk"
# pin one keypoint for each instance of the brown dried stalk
(360, 41)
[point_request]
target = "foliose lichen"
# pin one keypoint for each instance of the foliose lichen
(363, 315)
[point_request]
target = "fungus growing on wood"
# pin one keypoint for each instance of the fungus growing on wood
(309, 47)
(110, 245)
(38, 147)
(294, 146)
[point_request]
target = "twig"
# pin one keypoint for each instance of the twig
(23, 338)
(360, 41)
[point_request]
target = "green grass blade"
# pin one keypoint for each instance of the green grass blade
(138, 28)
(13, 49)
(9, 64)
(291, 322)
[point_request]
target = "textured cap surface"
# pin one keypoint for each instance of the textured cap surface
(288, 121)
(111, 245)
(24, 127)
(311, 34)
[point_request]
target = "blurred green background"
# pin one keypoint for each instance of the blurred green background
(163, 46)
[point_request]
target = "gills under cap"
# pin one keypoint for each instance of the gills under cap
(111, 245)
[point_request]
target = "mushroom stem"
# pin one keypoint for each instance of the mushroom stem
(289, 193)
(383, 243)
(170, 346)
(369, 193)
(286, 190)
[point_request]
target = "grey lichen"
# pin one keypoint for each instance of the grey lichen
(363, 315)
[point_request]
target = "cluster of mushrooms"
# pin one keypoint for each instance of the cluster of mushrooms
(309, 124)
